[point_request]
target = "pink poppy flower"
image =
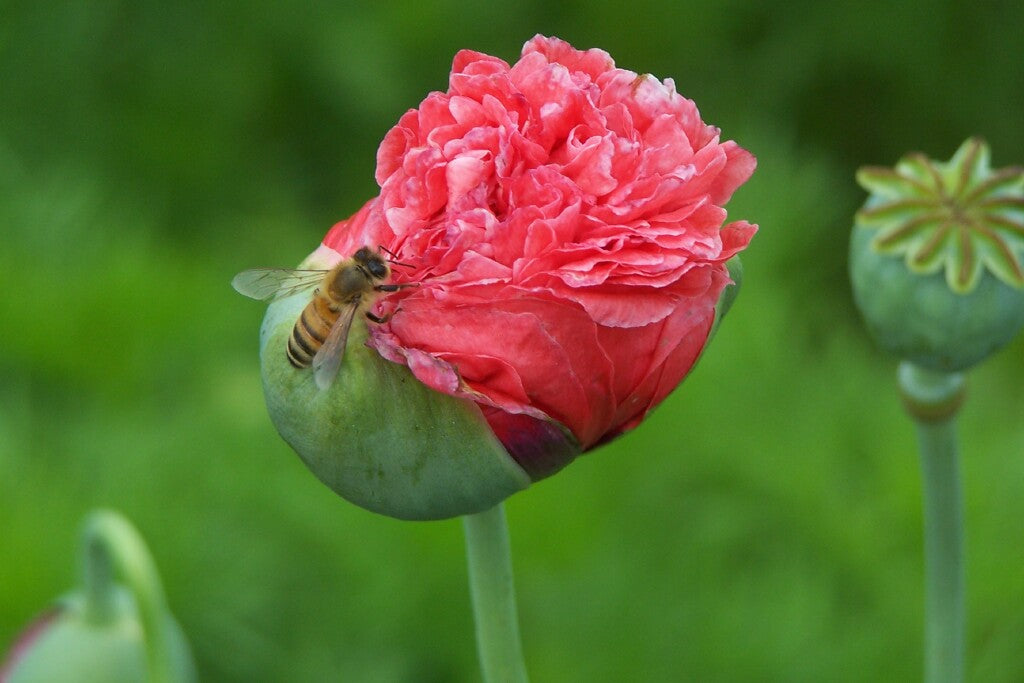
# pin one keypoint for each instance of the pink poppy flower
(564, 220)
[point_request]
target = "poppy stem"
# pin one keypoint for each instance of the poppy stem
(933, 399)
(493, 595)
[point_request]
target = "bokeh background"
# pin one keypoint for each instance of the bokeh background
(763, 525)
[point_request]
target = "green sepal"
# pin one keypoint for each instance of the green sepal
(380, 438)
(729, 294)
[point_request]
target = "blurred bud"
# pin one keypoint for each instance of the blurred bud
(936, 257)
(105, 632)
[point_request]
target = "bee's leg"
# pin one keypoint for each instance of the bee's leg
(394, 288)
(380, 319)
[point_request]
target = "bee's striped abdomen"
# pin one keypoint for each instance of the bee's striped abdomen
(310, 331)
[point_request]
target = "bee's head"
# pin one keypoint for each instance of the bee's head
(376, 266)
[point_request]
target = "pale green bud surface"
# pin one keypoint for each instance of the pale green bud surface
(936, 257)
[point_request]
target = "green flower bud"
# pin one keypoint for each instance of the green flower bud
(105, 632)
(936, 257)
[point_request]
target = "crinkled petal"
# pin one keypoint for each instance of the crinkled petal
(563, 221)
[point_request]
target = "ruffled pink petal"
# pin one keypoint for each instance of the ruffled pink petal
(564, 221)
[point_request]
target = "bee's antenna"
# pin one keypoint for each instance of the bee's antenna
(393, 255)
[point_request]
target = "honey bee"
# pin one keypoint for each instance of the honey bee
(321, 332)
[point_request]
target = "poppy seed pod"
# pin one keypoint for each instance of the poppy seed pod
(936, 257)
(542, 267)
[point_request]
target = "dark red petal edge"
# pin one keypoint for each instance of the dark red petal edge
(541, 447)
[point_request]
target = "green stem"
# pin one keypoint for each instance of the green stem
(493, 595)
(110, 544)
(943, 519)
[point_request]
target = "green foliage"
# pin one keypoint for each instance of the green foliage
(763, 525)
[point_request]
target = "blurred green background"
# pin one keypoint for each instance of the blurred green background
(763, 525)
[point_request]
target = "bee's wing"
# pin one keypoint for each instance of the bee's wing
(328, 359)
(264, 283)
